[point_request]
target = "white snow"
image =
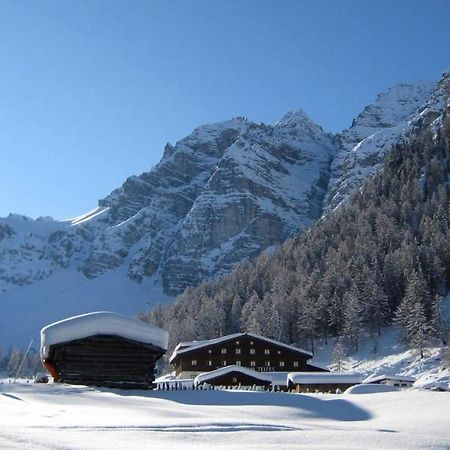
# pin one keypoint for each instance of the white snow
(206, 376)
(393, 358)
(101, 322)
(87, 216)
(370, 389)
(68, 417)
(324, 377)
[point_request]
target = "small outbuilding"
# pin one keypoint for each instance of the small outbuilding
(322, 381)
(399, 381)
(234, 376)
(103, 349)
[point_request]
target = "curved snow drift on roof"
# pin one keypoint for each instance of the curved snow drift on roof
(205, 376)
(324, 378)
(370, 389)
(101, 322)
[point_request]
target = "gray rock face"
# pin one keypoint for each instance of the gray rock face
(221, 195)
(375, 130)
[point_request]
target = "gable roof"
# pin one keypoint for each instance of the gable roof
(99, 323)
(186, 347)
(205, 376)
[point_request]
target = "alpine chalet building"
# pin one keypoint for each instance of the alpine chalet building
(241, 349)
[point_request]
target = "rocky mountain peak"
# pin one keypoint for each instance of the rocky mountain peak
(372, 134)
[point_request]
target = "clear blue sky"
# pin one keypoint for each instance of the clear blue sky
(90, 91)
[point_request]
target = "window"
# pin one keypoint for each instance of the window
(295, 363)
(278, 352)
(234, 380)
(209, 363)
(224, 363)
(238, 363)
(209, 351)
(267, 363)
(194, 362)
(266, 351)
(396, 385)
(251, 342)
(237, 342)
(223, 351)
(252, 351)
(238, 351)
(252, 363)
(281, 363)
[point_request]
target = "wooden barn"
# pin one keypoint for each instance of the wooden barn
(322, 381)
(103, 349)
(249, 350)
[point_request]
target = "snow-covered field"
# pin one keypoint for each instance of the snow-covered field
(64, 417)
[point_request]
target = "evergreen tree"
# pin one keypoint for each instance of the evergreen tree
(353, 320)
(338, 356)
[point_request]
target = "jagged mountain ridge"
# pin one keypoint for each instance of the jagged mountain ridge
(395, 115)
(223, 194)
(219, 196)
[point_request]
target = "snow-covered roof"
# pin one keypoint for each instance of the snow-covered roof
(101, 322)
(376, 379)
(324, 377)
(186, 347)
(278, 378)
(370, 389)
(205, 376)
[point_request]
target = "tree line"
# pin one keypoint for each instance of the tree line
(382, 258)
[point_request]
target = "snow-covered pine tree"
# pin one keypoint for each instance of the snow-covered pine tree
(353, 319)
(418, 330)
(338, 356)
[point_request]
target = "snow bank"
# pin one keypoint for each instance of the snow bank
(324, 377)
(77, 417)
(370, 389)
(101, 322)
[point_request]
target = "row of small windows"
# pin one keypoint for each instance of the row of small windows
(238, 351)
(252, 363)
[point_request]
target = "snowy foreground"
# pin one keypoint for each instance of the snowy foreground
(65, 417)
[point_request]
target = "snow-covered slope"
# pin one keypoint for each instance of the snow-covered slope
(69, 417)
(394, 358)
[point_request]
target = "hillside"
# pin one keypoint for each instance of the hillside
(218, 197)
(383, 256)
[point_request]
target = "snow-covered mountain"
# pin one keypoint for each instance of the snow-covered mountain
(219, 196)
(392, 117)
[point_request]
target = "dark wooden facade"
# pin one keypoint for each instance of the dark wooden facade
(320, 387)
(245, 350)
(104, 360)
